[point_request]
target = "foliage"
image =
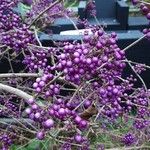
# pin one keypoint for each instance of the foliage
(69, 95)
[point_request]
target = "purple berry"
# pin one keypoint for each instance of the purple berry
(40, 135)
(49, 123)
(78, 138)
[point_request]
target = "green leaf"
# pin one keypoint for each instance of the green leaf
(16, 147)
(32, 145)
(23, 9)
(41, 103)
(13, 147)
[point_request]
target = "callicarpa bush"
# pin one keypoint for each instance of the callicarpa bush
(72, 95)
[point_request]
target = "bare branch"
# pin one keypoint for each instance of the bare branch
(134, 43)
(147, 3)
(15, 91)
(14, 75)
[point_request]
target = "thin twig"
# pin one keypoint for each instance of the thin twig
(75, 93)
(99, 113)
(2, 53)
(32, 45)
(75, 26)
(11, 67)
(67, 82)
(145, 87)
(37, 38)
(134, 43)
(137, 63)
(1, 46)
(11, 132)
(147, 3)
(8, 121)
(84, 100)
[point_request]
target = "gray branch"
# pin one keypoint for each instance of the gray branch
(13, 75)
(15, 91)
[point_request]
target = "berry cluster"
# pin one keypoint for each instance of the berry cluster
(147, 33)
(145, 9)
(91, 8)
(40, 116)
(128, 139)
(96, 65)
(8, 19)
(90, 86)
(61, 111)
(57, 111)
(6, 141)
(36, 60)
(141, 124)
(9, 109)
(50, 15)
(18, 39)
(76, 139)
(94, 58)
(139, 68)
(110, 97)
(42, 85)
